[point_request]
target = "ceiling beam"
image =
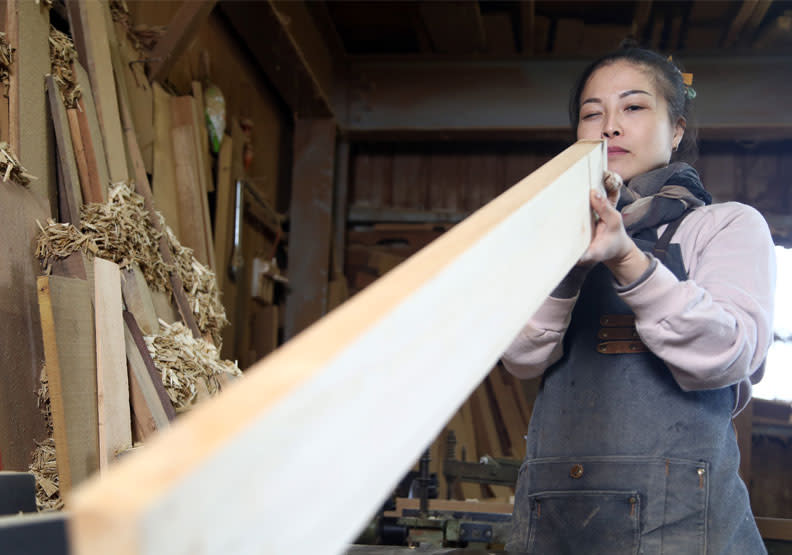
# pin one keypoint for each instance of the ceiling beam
(454, 27)
(486, 99)
(178, 36)
(285, 41)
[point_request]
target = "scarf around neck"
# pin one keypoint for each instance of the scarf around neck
(659, 197)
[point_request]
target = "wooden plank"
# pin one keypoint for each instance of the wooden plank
(4, 115)
(148, 410)
(454, 27)
(100, 69)
(404, 330)
(69, 195)
(89, 184)
(91, 134)
(223, 216)
(487, 439)
(21, 350)
(510, 412)
(311, 223)
(112, 384)
(154, 374)
(164, 180)
(137, 299)
(30, 136)
(180, 32)
(775, 528)
(188, 184)
(69, 347)
(202, 137)
(403, 503)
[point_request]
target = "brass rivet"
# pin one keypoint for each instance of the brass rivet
(576, 471)
(604, 334)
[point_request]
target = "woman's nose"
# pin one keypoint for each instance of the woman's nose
(611, 128)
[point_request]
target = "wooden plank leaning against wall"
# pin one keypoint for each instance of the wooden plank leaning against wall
(21, 348)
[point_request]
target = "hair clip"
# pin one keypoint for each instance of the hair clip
(687, 80)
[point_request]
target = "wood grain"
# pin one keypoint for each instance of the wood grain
(67, 326)
(408, 328)
(115, 428)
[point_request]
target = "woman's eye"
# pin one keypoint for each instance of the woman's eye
(590, 115)
(634, 108)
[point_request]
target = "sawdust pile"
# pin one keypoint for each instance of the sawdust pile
(10, 168)
(143, 37)
(62, 55)
(120, 230)
(191, 368)
(44, 465)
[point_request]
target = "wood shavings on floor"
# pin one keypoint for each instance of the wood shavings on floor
(190, 368)
(62, 56)
(44, 466)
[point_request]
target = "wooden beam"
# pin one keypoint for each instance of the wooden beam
(290, 50)
(112, 384)
(455, 27)
(397, 99)
(69, 347)
(775, 528)
(91, 134)
(178, 36)
(21, 350)
(29, 131)
(69, 194)
(311, 224)
(93, 24)
(408, 328)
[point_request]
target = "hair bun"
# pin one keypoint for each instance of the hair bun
(629, 42)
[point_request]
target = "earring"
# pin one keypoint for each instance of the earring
(675, 148)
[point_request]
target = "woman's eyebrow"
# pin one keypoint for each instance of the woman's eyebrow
(634, 91)
(595, 100)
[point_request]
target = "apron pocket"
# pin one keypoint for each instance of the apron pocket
(611, 504)
(597, 522)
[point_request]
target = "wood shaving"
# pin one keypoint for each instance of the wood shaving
(200, 286)
(6, 60)
(10, 168)
(44, 466)
(62, 56)
(187, 365)
(59, 240)
(120, 230)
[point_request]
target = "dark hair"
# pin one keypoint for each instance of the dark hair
(667, 78)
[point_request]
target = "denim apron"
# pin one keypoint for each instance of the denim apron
(619, 459)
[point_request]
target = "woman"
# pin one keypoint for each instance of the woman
(649, 345)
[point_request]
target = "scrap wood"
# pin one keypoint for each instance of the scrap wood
(62, 55)
(185, 362)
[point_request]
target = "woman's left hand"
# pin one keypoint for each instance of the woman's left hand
(610, 243)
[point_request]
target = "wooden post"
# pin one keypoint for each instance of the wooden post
(329, 393)
(311, 225)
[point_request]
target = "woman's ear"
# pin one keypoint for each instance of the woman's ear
(679, 132)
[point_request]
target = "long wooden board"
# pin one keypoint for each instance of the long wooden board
(115, 429)
(68, 329)
(331, 390)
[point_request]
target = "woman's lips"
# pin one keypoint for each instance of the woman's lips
(615, 150)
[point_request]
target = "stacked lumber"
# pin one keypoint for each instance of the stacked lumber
(130, 317)
(494, 420)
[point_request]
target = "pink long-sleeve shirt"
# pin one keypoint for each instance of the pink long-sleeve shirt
(712, 330)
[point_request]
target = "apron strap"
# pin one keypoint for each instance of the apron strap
(661, 247)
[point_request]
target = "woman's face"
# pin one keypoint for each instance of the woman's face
(620, 103)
